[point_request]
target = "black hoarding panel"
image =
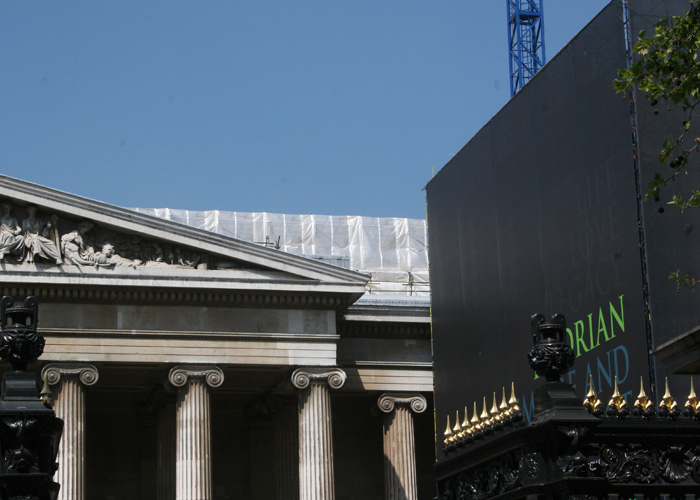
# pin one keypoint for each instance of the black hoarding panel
(538, 213)
(672, 239)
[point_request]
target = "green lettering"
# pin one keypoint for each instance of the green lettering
(619, 318)
(590, 332)
(580, 329)
(601, 326)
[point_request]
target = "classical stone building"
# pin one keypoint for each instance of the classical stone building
(192, 365)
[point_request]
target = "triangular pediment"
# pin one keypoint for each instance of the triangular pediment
(74, 240)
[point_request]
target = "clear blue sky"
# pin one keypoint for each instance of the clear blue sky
(326, 107)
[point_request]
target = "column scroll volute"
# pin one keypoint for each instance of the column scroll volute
(54, 372)
(387, 402)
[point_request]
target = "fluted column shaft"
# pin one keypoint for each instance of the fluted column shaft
(399, 445)
(70, 381)
(165, 459)
(316, 479)
(285, 437)
(193, 430)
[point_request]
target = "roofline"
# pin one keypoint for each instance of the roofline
(27, 193)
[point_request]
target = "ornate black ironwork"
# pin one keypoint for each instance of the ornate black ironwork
(30, 432)
(20, 343)
(550, 357)
(565, 452)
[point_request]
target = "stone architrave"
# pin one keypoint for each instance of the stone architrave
(71, 380)
(193, 429)
(399, 444)
(316, 479)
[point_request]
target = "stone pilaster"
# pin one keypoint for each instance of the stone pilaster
(316, 479)
(285, 452)
(399, 444)
(69, 396)
(193, 429)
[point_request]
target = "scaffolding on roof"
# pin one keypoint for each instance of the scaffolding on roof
(393, 251)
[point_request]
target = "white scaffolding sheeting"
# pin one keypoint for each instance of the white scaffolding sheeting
(394, 251)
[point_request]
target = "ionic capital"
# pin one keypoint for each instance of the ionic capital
(334, 377)
(387, 402)
(53, 372)
(212, 375)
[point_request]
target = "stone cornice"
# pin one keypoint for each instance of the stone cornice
(303, 377)
(50, 291)
(53, 372)
(212, 375)
(187, 335)
(367, 329)
(387, 402)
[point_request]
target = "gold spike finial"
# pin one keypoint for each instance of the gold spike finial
(504, 403)
(513, 401)
(667, 401)
(693, 403)
(643, 402)
(592, 403)
(466, 427)
(448, 432)
(617, 402)
(476, 423)
(495, 414)
(484, 414)
(457, 429)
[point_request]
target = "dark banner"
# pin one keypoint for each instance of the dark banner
(538, 213)
(672, 238)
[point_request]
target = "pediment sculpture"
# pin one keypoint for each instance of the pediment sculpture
(54, 242)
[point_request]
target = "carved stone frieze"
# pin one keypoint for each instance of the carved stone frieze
(50, 241)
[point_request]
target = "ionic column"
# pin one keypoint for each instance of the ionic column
(69, 405)
(193, 430)
(316, 481)
(399, 445)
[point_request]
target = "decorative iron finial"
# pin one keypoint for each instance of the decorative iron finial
(617, 406)
(643, 405)
(476, 423)
(550, 357)
(449, 437)
(466, 428)
(513, 401)
(20, 344)
(486, 422)
(457, 429)
(30, 432)
(495, 414)
(668, 407)
(484, 413)
(592, 403)
(692, 405)
(503, 407)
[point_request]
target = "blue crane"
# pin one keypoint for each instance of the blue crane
(525, 41)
